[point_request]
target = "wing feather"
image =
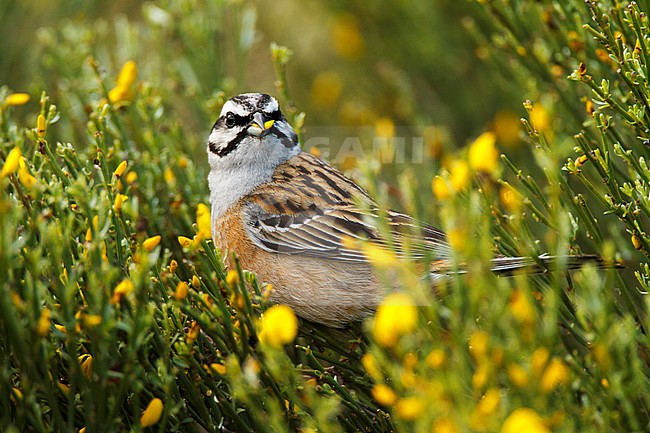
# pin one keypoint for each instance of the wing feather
(316, 208)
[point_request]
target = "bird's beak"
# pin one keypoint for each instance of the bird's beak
(259, 126)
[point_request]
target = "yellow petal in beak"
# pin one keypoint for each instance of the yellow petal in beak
(259, 126)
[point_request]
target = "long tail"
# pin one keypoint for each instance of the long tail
(545, 262)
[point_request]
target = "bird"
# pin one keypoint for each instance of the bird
(288, 216)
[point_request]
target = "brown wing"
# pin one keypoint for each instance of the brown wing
(311, 207)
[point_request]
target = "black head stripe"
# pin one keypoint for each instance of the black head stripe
(244, 101)
(232, 144)
(263, 100)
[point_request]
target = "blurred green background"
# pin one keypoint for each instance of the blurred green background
(354, 62)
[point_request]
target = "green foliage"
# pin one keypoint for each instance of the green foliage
(99, 316)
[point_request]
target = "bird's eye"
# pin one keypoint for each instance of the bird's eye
(230, 120)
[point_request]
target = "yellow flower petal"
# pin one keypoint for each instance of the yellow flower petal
(152, 413)
(150, 243)
(483, 154)
(556, 373)
(219, 368)
(279, 326)
(128, 74)
(203, 222)
(86, 362)
(410, 408)
(44, 322)
(121, 168)
(41, 126)
(11, 163)
(440, 189)
(524, 420)
(396, 316)
(17, 99)
(182, 289)
(121, 290)
(118, 202)
(383, 394)
(25, 178)
(184, 241)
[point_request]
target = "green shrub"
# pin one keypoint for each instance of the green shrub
(116, 312)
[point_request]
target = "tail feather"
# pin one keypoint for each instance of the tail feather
(545, 262)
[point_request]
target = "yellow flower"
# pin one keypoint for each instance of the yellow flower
(510, 198)
(169, 176)
(518, 376)
(396, 316)
(370, 365)
(279, 326)
(41, 126)
(120, 94)
(118, 202)
(193, 333)
(17, 99)
(16, 394)
(346, 36)
(521, 307)
(24, 176)
(203, 222)
(326, 89)
(478, 345)
(436, 358)
(556, 373)
(219, 368)
(384, 127)
(173, 265)
(489, 403)
(457, 238)
(131, 177)
(196, 282)
(459, 174)
(92, 320)
(121, 290)
(66, 390)
(152, 413)
(123, 92)
(43, 325)
(524, 420)
(182, 289)
(232, 278)
(150, 243)
(128, 74)
(379, 256)
(184, 241)
(11, 163)
(121, 168)
(86, 362)
(539, 118)
(483, 154)
(538, 359)
(383, 394)
(480, 376)
(410, 408)
(440, 189)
